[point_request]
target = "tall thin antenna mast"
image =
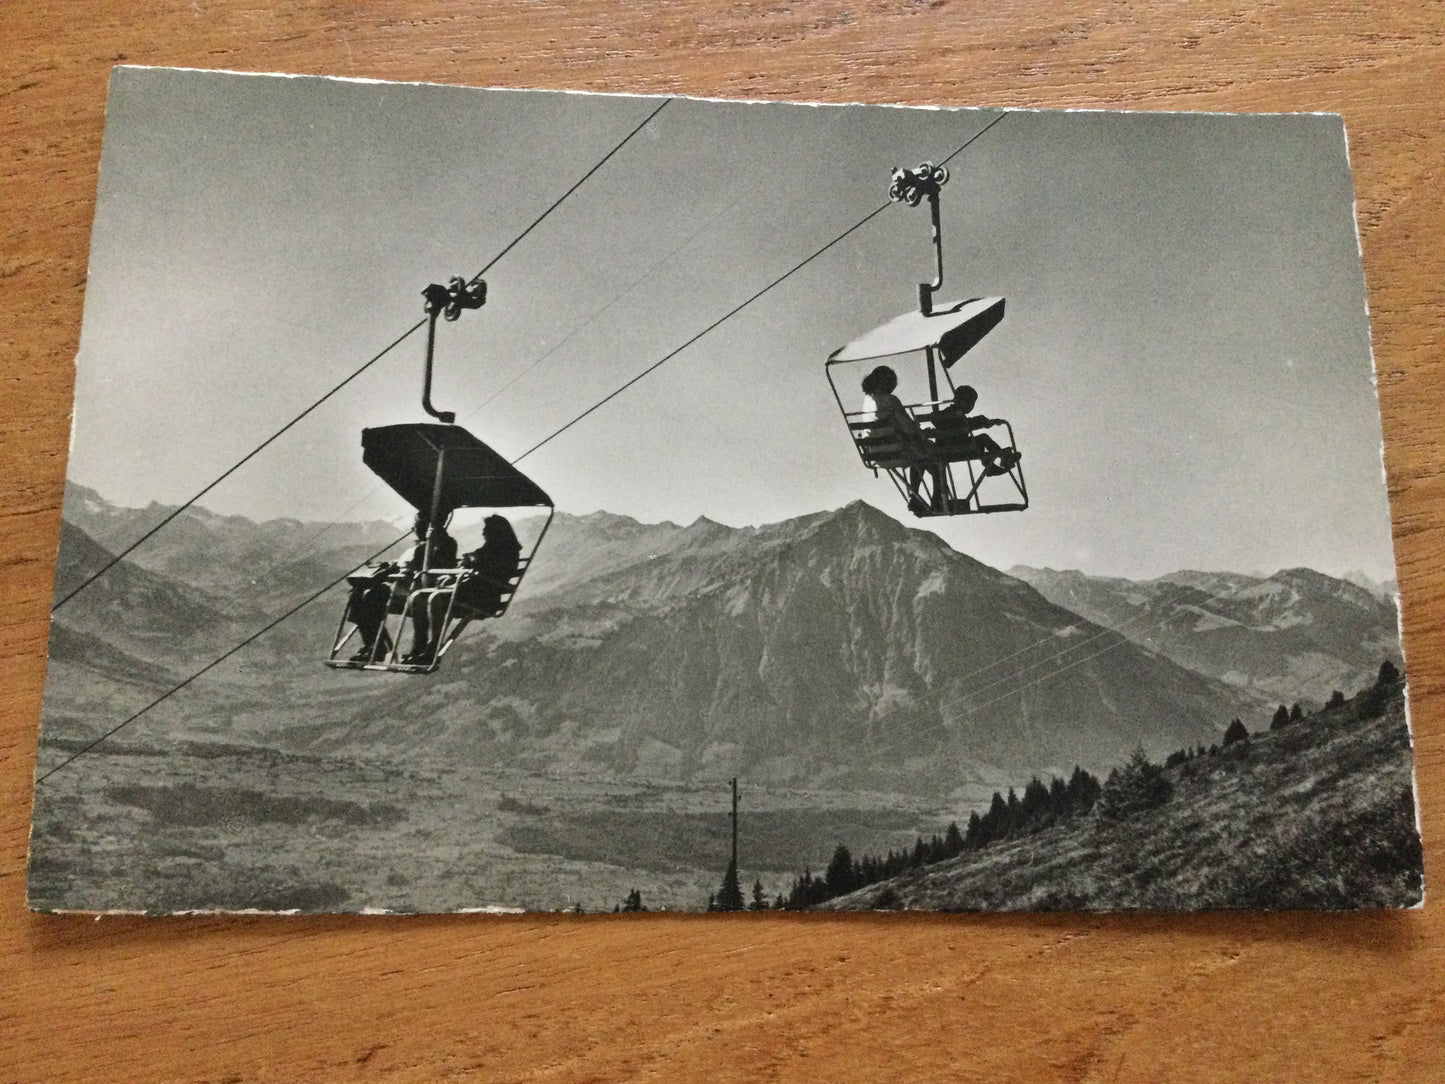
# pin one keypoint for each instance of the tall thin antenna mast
(735, 822)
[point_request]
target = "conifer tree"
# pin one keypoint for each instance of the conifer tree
(1372, 701)
(919, 856)
(1034, 805)
(1058, 797)
(802, 891)
(1083, 791)
(1136, 786)
(730, 895)
(997, 817)
(973, 836)
(760, 902)
(953, 839)
(1237, 731)
(839, 876)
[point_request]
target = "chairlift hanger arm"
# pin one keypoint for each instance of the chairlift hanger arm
(912, 186)
(448, 301)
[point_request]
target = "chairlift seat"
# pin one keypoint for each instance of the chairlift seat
(437, 469)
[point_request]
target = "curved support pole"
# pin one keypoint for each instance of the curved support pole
(448, 301)
(910, 186)
(927, 290)
(446, 417)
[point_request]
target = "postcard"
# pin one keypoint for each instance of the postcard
(493, 500)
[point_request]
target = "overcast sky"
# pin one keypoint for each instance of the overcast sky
(1185, 356)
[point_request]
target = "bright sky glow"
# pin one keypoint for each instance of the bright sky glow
(1185, 356)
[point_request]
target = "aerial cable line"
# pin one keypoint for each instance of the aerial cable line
(737, 309)
(601, 162)
(117, 558)
(210, 665)
(1039, 680)
(1025, 686)
(1103, 633)
(706, 224)
(656, 365)
(306, 543)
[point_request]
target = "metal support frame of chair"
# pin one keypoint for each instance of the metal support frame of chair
(423, 589)
(437, 468)
(881, 449)
(941, 334)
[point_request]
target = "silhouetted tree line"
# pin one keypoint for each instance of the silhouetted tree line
(1136, 785)
(1373, 701)
(1040, 807)
(632, 903)
(730, 896)
(1368, 703)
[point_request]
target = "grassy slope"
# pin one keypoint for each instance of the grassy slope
(1318, 815)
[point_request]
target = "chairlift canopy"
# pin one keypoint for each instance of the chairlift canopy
(409, 457)
(954, 329)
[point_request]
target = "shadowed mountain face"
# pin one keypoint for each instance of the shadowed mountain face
(239, 562)
(840, 648)
(1296, 635)
(147, 614)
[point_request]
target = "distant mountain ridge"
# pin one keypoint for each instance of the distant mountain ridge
(206, 550)
(838, 648)
(1295, 636)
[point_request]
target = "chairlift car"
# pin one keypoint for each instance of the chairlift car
(938, 470)
(437, 468)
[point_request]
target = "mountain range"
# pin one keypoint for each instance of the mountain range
(839, 649)
(1297, 635)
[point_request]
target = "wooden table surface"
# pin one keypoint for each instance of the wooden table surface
(744, 997)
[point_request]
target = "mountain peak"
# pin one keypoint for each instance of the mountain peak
(861, 518)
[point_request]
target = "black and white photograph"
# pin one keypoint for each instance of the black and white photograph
(497, 500)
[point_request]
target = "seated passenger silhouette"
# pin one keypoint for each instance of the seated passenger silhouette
(434, 549)
(896, 422)
(486, 576)
(490, 568)
(956, 436)
(370, 593)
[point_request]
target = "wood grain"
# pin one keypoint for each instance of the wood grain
(1078, 998)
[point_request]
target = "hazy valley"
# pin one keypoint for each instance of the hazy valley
(862, 679)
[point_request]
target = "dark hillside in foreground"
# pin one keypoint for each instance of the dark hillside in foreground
(1319, 814)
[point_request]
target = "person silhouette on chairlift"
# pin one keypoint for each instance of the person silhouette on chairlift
(434, 549)
(956, 436)
(370, 593)
(887, 409)
(385, 586)
(486, 575)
